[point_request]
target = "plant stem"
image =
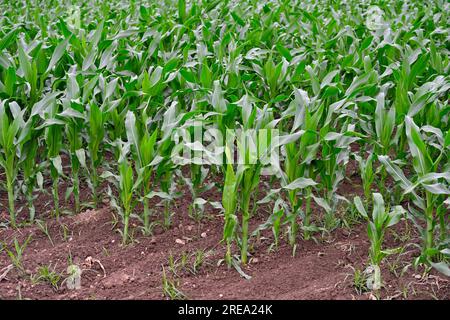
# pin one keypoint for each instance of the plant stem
(94, 185)
(56, 196)
(76, 191)
(12, 212)
(430, 225)
(382, 185)
(166, 215)
(228, 254)
(307, 221)
(293, 228)
(31, 209)
(443, 225)
(245, 219)
(146, 217)
(125, 228)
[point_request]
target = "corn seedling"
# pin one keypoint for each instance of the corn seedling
(47, 274)
(170, 288)
(16, 254)
(44, 228)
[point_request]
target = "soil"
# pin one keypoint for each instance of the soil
(322, 268)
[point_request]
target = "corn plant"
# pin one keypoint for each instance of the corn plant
(13, 134)
(96, 133)
(53, 138)
(229, 204)
(127, 185)
(73, 116)
(366, 172)
(299, 160)
(144, 146)
(335, 154)
(378, 222)
(32, 169)
(429, 187)
(384, 128)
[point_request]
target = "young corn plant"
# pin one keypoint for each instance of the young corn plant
(298, 163)
(13, 134)
(378, 222)
(54, 138)
(249, 182)
(335, 154)
(428, 189)
(127, 186)
(384, 128)
(197, 184)
(196, 155)
(32, 169)
(144, 152)
(73, 117)
(229, 204)
(96, 134)
(366, 172)
(293, 189)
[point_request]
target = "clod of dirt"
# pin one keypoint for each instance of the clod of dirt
(87, 216)
(179, 241)
(115, 280)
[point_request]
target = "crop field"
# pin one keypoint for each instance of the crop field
(256, 149)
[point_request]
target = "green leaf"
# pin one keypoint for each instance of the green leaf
(188, 75)
(25, 63)
(447, 139)
(57, 54)
(156, 76)
(132, 133)
(8, 39)
(360, 207)
(57, 163)
(442, 267)
(395, 172)
(229, 191)
(206, 76)
(284, 52)
(237, 18)
(300, 183)
(421, 159)
(437, 188)
(378, 210)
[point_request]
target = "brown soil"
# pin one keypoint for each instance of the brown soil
(322, 268)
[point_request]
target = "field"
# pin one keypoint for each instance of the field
(224, 149)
